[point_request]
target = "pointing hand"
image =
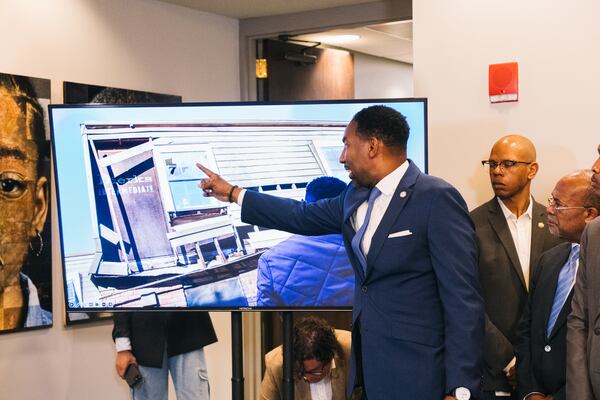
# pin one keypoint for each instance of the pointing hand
(217, 187)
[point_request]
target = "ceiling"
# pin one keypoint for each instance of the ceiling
(241, 9)
(390, 40)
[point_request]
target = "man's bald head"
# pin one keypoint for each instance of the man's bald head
(573, 204)
(512, 181)
(578, 184)
(518, 145)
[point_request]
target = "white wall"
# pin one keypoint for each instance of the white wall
(377, 77)
(556, 46)
(134, 44)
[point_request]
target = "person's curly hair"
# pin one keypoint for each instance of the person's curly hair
(384, 123)
(314, 338)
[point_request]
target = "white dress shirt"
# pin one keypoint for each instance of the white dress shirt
(520, 230)
(322, 390)
(123, 344)
(387, 186)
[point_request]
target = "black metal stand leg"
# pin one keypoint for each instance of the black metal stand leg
(237, 378)
(288, 355)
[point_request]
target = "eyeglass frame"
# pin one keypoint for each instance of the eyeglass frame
(552, 204)
(317, 374)
(492, 165)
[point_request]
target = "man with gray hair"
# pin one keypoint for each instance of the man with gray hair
(541, 338)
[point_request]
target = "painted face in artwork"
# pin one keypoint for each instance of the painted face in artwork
(23, 194)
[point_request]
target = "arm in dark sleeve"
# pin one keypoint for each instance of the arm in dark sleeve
(526, 378)
(578, 380)
(454, 259)
(560, 394)
(319, 218)
(498, 349)
(121, 325)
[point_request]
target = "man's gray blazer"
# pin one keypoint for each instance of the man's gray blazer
(503, 284)
(583, 332)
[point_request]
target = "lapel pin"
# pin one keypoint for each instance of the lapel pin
(541, 225)
(403, 194)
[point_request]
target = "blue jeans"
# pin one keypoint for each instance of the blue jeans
(189, 374)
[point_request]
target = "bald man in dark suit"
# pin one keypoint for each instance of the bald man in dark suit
(511, 235)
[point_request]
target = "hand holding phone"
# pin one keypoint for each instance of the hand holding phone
(133, 376)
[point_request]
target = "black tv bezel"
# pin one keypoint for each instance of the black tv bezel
(51, 107)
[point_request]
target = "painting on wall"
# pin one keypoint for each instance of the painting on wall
(25, 240)
(80, 93)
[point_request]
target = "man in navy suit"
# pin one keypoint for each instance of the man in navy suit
(541, 338)
(418, 316)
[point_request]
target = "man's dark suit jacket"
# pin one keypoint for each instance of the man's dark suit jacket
(583, 324)
(149, 331)
(542, 361)
(419, 306)
(503, 283)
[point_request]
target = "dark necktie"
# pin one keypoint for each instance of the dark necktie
(357, 239)
(563, 287)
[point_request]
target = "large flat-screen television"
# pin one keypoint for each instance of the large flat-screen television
(137, 233)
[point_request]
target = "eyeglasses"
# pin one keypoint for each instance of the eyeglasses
(314, 373)
(317, 373)
(552, 204)
(504, 164)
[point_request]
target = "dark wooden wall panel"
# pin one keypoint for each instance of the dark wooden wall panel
(331, 77)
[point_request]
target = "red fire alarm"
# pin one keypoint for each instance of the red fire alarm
(504, 82)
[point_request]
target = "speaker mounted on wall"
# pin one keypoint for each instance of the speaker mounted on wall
(504, 82)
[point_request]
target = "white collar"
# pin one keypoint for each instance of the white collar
(509, 214)
(389, 183)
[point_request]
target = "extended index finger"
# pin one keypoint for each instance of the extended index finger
(207, 171)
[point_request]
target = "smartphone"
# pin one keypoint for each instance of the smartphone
(133, 376)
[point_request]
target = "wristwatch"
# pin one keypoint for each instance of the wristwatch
(461, 393)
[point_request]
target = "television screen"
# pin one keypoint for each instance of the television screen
(137, 232)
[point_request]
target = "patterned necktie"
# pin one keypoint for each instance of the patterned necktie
(563, 287)
(357, 239)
